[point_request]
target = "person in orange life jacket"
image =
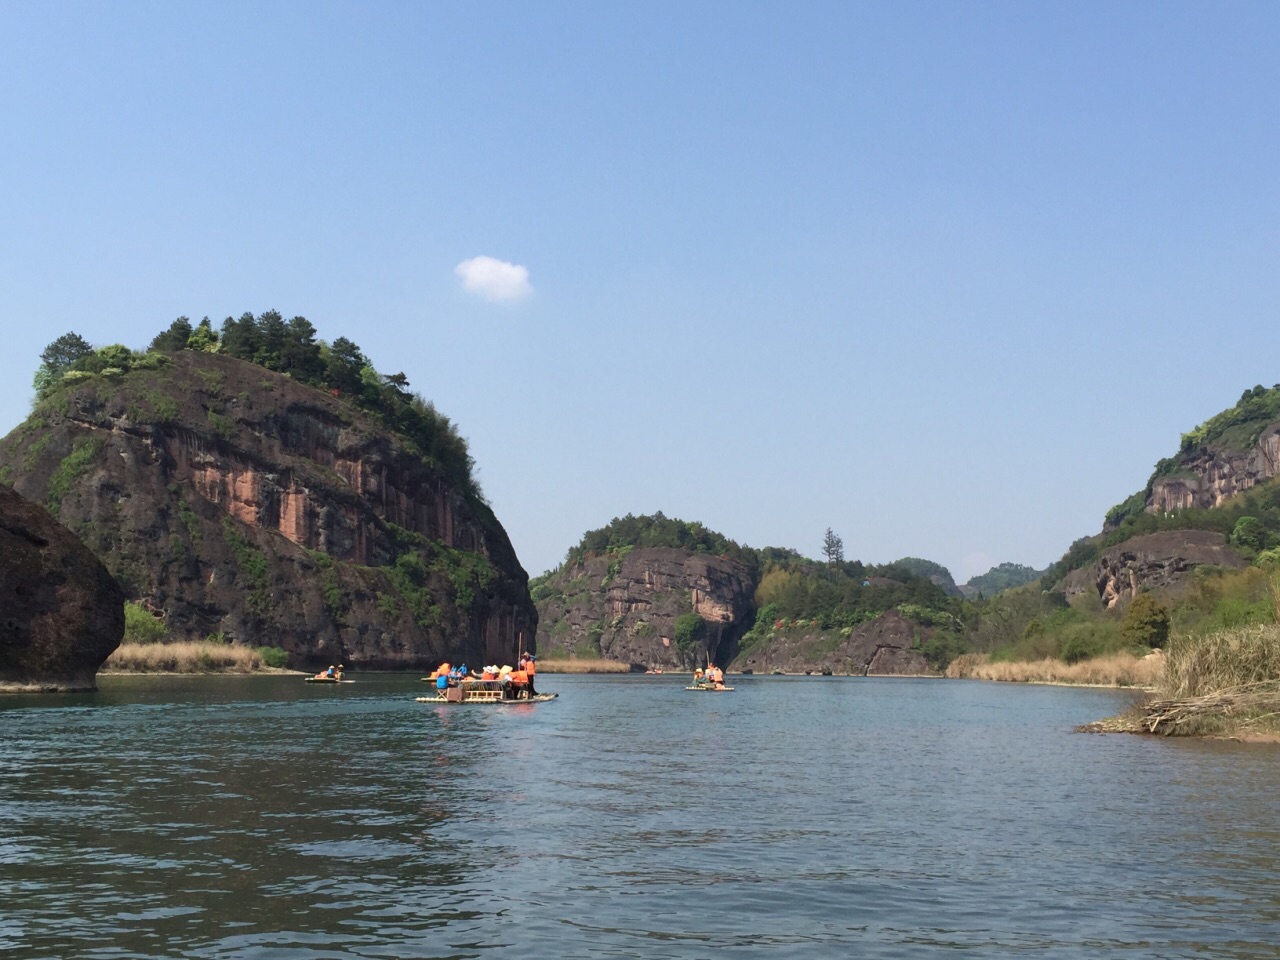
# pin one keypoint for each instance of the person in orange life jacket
(528, 666)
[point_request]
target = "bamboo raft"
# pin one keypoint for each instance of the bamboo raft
(713, 689)
(484, 697)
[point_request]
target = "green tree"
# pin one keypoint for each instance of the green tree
(300, 353)
(833, 548)
(273, 335)
(56, 360)
(240, 337)
(203, 337)
(173, 339)
(1250, 533)
(1146, 622)
(343, 366)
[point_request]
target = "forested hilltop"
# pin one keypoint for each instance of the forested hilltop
(259, 486)
(784, 610)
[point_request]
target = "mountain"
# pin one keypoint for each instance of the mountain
(656, 607)
(1004, 577)
(660, 593)
(1223, 484)
(233, 500)
(938, 575)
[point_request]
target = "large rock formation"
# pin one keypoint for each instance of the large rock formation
(1157, 562)
(625, 606)
(61, 613)
(233, 501)
(1207, 477)
(889, 645)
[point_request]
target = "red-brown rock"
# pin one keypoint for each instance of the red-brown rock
(61, 612)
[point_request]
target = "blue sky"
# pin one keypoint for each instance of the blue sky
(947, 278)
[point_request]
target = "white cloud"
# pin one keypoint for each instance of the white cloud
(494, 279)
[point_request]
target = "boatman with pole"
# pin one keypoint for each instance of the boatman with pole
(527, 665)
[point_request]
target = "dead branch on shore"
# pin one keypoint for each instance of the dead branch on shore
(1244, 706)
(1248, 703)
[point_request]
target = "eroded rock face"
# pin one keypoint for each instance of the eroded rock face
(885, 646)
(61, 612)
(1155, 562)
(625, 608)
(239, 503)
(1212, 476)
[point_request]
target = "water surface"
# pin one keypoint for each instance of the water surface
(795, 817)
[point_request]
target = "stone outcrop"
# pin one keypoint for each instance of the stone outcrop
(889, 645)
(233, 501)
(624, 607)
(1208, 477)
(1156, 562)
(61, 612)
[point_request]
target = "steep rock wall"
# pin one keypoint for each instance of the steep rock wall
(1209, 477)
(625, 607)
(1156, 562)
(234, 501)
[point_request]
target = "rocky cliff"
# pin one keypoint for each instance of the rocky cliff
(625, 606)
(1157, 562)
(61, 613)
(889, 645)
(232, 501)
(1210, 475)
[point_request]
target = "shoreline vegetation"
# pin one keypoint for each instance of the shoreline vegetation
(582, 665)
(190, 658)
(1111, 670)
(1223, 685)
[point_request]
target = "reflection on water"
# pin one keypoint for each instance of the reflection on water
(796, 817)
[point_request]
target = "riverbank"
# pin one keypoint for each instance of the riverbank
(1221, 685)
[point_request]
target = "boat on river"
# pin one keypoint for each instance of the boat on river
(328, 680)
(484, 692)
(711, 687)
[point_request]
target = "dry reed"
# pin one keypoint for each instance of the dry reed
(578, 665)
(1226, 660)
(182, 658)
(1113, 670)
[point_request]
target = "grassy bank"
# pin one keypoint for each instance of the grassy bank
(1113, 670)
(1224, 684)
(184, 658)
(579, 665)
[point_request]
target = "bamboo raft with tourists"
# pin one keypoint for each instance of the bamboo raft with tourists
(332, 675)
(492, 685)
(711, 679)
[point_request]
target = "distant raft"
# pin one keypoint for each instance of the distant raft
(328, 680)
(709, 687)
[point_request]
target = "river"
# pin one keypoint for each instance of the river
(262, 817)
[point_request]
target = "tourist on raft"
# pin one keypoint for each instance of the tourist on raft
(530, 668)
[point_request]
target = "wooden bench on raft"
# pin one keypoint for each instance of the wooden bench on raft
(487, 690)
